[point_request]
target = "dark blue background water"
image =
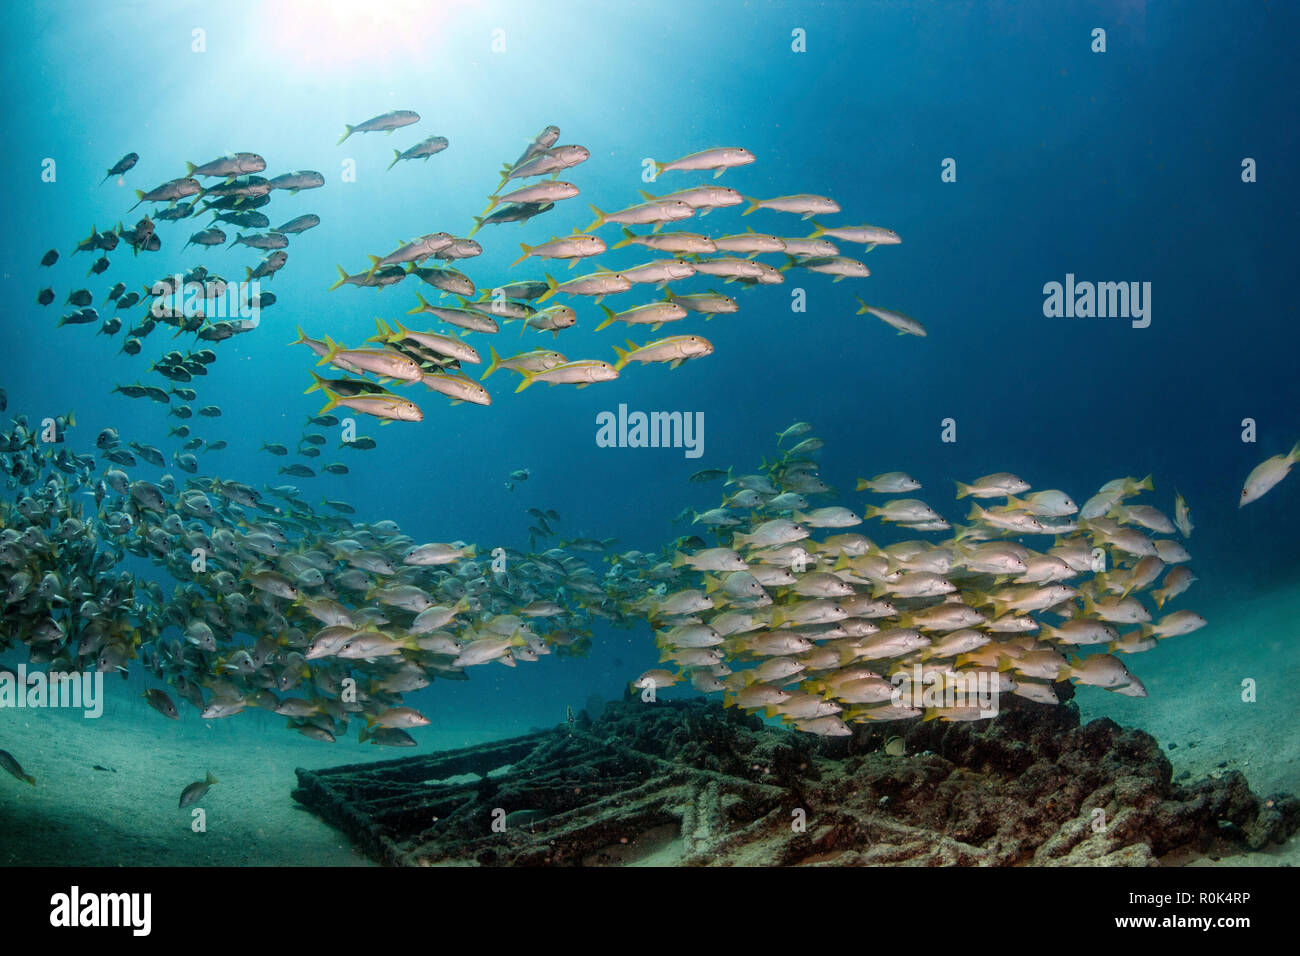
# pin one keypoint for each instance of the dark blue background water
(1122, 166)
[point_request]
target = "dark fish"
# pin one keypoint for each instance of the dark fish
(160, 702)
(448, 280)
(243, 186)
(248, 220)
(269, 240)
(526, 289)
(80, 317)
(148, 453)
(169, 191)
(388, 737)
(268, 267)
(298, 471)
(100, 267)
(303, 179)
(45, 296)
(421, 150)
(182, 210)
(316, 733)
(233, 164)
(709, 474)
(394, 119)
(79, 297)
(196, 791)
(346, 387)
(300, 224)
(206, 237)
(115, 292)
(237, 203)
(128, 300)
(8, 762)
(388, 275)
(121, 166)
(143, 329)
(50, 257)
(515, 212)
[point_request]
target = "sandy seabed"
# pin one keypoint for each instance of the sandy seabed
(127, 814)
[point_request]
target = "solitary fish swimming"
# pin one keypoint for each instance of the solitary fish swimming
(8, 762)
(196, 791)
(1267, 474)
(387, 122)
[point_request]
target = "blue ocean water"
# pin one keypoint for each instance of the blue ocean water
(1117, 166)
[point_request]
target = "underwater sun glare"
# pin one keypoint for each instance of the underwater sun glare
(334, 32)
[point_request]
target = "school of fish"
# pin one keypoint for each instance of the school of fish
(271, 602)
(793, 612)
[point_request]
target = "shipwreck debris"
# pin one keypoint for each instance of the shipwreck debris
(694, 784)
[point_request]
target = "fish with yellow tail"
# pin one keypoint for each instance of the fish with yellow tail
(196, 791)
(905, 324)
(538, 360)
(1267, 474)
(719, 159)
(459, 388)
(598, 284)
(388, 408)
(804, 205)
(582, 373)
(657, 211)
(869, 236)
(574, 247)
(377, 361)
(675, 349)
(655, 314)
(448, 345)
